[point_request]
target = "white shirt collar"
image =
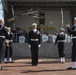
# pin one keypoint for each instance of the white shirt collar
(8, 32)
(62, 33)
(34, 30)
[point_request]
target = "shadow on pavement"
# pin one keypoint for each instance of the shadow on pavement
(28, 71)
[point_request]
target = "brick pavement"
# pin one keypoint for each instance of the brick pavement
(45, 67)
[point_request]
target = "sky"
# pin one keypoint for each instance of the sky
(1, 10)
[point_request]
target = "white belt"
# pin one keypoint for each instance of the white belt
(2, 36)
(61, 40)
(34, 39)
(74, 37)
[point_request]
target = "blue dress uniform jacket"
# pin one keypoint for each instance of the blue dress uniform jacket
(10, 36)
(3, 31)
(34, 35)
(34, 41)
(72, 31)
(60, 40)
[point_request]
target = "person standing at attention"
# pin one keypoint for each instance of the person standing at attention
(34, 43)
(60, 40)
(72, 32)
(3, 33)
(8, 48)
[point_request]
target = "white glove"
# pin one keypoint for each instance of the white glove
(3, 36)
(29, 46)
(39, 45)
(68, 26)
(11, 40)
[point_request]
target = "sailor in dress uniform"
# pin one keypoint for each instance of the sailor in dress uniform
(60, 40)
(3, 33)
(34, 43)
(72, 31)
(8, 48)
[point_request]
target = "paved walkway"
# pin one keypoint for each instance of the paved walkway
(45, 67)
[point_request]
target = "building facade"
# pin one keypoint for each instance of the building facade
(50, 10)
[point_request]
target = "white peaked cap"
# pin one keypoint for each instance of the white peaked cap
(62, 29)
(34, 24)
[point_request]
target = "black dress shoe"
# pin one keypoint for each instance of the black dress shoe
(11, 62)
(5, 62)
(70, 68)
(34, 64)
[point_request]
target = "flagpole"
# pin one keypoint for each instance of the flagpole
(62, 17)
(12, 11)
(13, 16)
